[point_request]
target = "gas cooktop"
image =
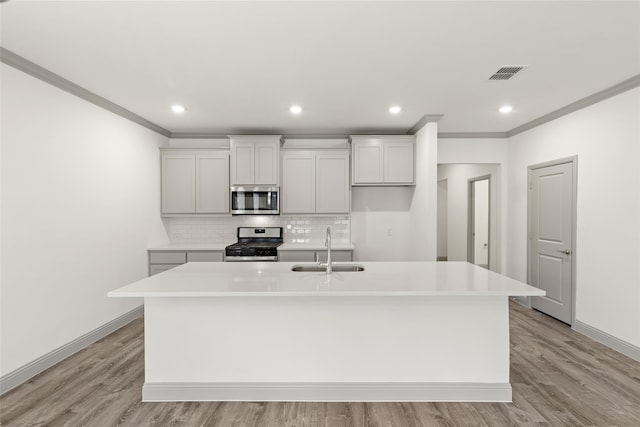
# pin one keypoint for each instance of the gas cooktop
(255, 244)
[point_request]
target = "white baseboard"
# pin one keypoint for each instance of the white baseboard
(610, 341)
(523, 301)
(31, 369)
(327, 392)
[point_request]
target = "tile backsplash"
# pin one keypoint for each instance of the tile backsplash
(297, 229)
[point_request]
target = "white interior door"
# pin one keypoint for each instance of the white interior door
(481, 221)
(443, 200)
(479, 218)
(550, 238)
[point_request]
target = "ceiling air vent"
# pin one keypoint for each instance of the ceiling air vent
(506, 72)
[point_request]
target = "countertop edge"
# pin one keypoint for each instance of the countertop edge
(315, 247)
(285, 247)
(169, 294)
(189, 247)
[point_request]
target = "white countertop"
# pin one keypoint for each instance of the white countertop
(311, 246)
(316, 246)
(190, 247)
(245, 279)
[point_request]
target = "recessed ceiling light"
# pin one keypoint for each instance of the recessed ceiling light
(295, 109)
(395, 109)
(178, 109)
(505, 109)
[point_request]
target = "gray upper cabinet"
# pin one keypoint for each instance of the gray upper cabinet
(178, 183)
(298, 191)
(315, 181)
(212, 182)
(195, 182)
(383, 160)
(255, 160)
(333, 189)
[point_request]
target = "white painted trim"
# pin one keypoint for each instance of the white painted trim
(610, 341)
(609, 92)
(23, 64)
(31, 369)
(422, 122)
(327, 392)
(523, 301)
(474, 135)
(34, 70)
(587, 101)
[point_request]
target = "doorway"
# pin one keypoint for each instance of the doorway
(442, 220)
(551, 223)
(454, 211)
(479, 221)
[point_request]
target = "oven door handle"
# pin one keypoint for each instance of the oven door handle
(250, 258)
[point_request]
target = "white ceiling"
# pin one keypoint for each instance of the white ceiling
(238, 66)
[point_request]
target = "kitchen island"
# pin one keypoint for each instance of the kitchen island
(257, 331)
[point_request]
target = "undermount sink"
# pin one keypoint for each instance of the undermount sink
(335, 267)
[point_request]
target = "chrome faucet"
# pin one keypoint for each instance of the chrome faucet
(327, 243)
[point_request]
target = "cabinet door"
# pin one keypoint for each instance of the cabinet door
(167, 257)
(295, 256)
(159, 268)
(212, 183)
(242, 160)
(205, 256)
(178, 183)
(309, 256)
(399, 162)
(336, 256)
(368, 164)
(333, 193)
(266, 163)
(298, 182)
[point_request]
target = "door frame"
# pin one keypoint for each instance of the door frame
(574, 216)
(471, 216)
(440, 231)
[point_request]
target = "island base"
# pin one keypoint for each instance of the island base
(351, 348)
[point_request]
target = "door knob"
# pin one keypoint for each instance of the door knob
(566, 251)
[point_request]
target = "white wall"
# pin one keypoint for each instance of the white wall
(606, 139)
(380, 228)
(80, 203)
(400, 223)
(472, 150)
(423, 236)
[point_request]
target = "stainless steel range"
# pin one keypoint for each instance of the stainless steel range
(255, 244)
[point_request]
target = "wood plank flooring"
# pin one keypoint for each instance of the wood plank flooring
(559, 378)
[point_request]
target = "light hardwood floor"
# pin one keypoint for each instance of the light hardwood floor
(559, 378)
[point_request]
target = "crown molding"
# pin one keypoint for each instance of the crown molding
(614, 90)
(34, 70)
(609, 92)
(198, 135)
(18, 62)
(427, 118)
(308, 134)
(476, 135)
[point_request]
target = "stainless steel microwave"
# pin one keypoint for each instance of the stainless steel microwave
(255, 201)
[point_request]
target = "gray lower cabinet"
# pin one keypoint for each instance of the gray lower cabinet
(309, 256)
(160, 261)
